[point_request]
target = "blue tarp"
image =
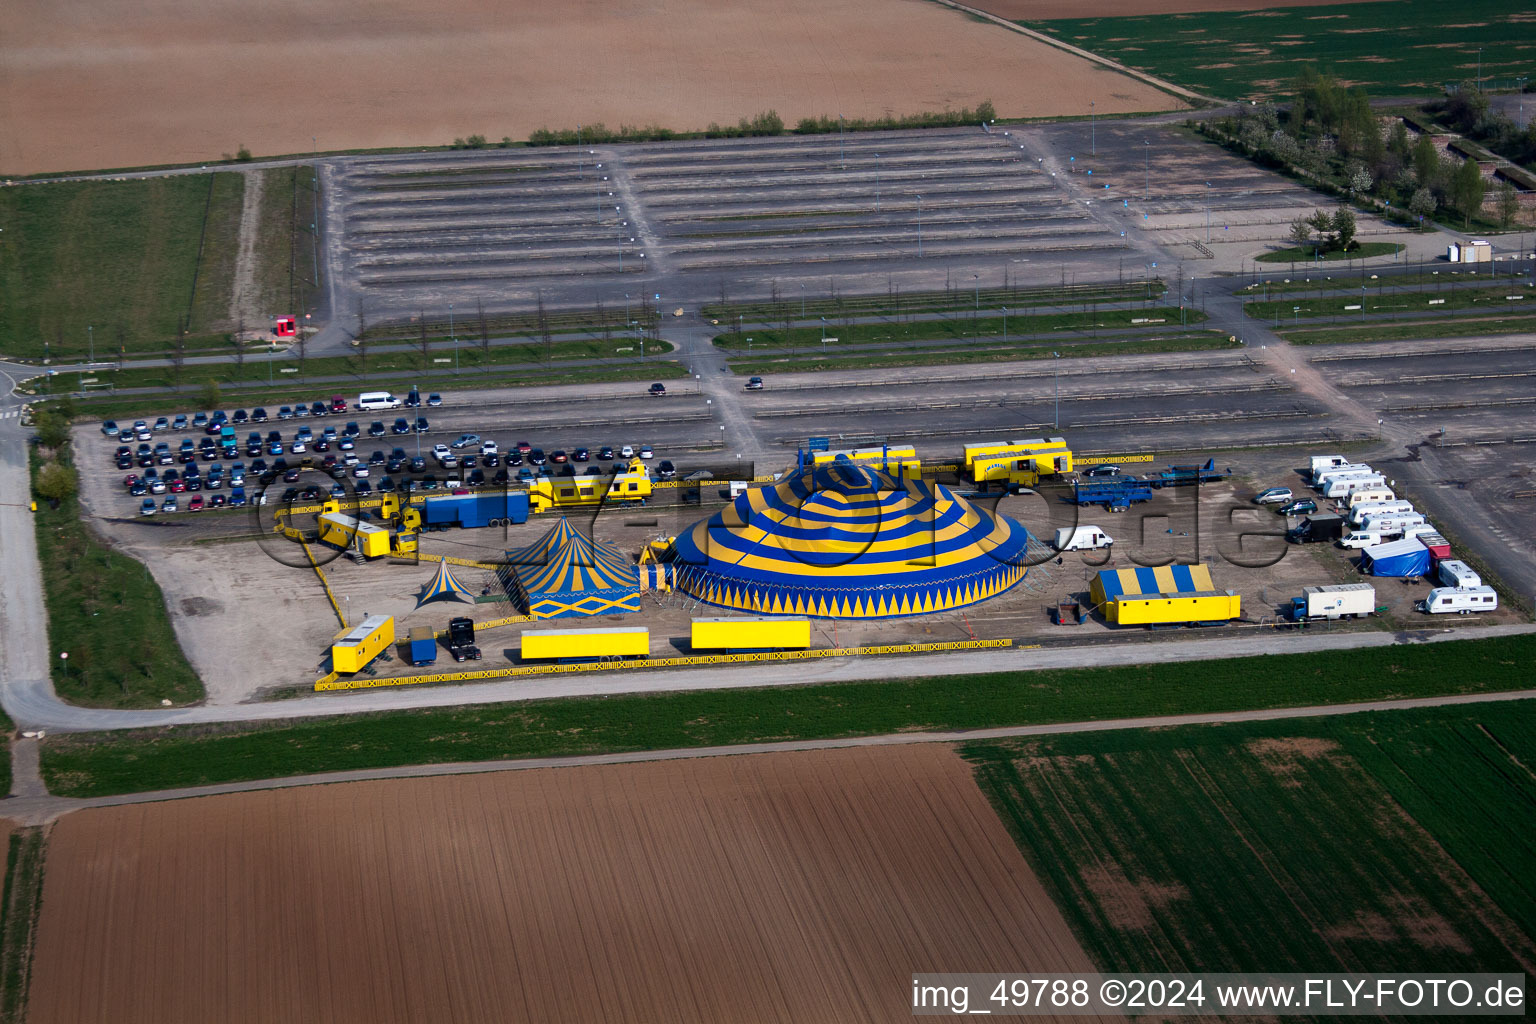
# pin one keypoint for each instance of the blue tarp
(1399, 558)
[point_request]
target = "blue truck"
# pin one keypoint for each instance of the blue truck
(1116, 493)
(481, 508)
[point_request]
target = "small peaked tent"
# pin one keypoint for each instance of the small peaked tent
(443, 585)
(564, 575)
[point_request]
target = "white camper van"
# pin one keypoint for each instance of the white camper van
(1462, 600)
(1357, 513)
(1394, 522)
(1454, 572)
(1343, 487)
(1365, 494)
(1081, 538)
(1320, 479)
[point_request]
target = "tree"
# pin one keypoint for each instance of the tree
(360, 340)
(179, 350)
(1301, 232)
(1360, 181)
(1508, 204)
(1468, 189)
(1398, 144)
(549, 352)
(52, 429)
(421, 340)
(1426, 161)
(1344, 227)
(1322, 224)
(208, 395)
(240, 341)
(56, 483)
(485, 333)
(1422, 204)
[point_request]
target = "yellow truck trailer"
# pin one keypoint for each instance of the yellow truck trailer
(889, 458)
(1212, 606)
(587, 644)
(633, 485)
(347, 532)
(352, 652)
(1021, 462)
(750, 634)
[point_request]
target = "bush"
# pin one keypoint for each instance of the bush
(56, 483)
(243, 154)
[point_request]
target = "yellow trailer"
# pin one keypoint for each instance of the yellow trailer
(1019, 462)
(346, 532)
(888, 458)
(352, 652)
(1174, 609)
(587, 644)
(631, 485)
(737, 634)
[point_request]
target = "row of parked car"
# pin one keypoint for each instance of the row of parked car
(212, 423)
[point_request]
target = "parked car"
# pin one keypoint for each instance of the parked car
(162, 424)
(196, 504)
(199, 420)
(240, 416)
(441, 452)
(666, 471)
(258, 415)
(523, 447)
(627, 452)
(1103, 469)
(386, 485)
(376, 459)
(490, 461)
(139, 489)
(434, 400)
(413, 399)
(605, 453)
(581, 455)
(754, 383)
(376, 429)
(285, 413)
(338, 403)
(1274, 495)
(646, 453)
(300, 409)
(489, 448)
(109, 428)
(401, 426)
(180, 422)
(658, 389)
(170, 504)
(1297, 508)
(147, 507)
(537, 457)
(558, 457)
(421, 425)
(216, 501)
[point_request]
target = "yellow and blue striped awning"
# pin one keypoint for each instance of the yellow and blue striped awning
(444, 585)
(1163, 579)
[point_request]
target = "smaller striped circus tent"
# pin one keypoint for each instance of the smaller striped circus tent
(563, 575)
(444, 585)
(842, 540)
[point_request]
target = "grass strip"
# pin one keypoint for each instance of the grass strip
(954, 328)
(96, 764)
(107, 612)
(1410, 331)
(1362, 251)
(1482, 299)
(894, 303)
(18, 919)
(1200, 342)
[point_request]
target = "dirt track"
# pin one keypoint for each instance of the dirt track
(91, 85)
(795, 887)
(1044, 10)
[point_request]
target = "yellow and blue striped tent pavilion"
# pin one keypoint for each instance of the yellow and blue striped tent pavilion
(1165, 580)
(849, 541)
(443, 585)
(563, 575)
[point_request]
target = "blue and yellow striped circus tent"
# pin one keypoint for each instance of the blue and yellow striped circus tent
(1163, 579)
(443, 585)
(848, 541)
(563, 574)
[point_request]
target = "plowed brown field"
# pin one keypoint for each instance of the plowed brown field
(88, 83)
(790, 887)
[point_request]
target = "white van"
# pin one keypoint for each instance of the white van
(1317, 463)
(1371, 494)
(1363, 538)
(1462, 600)
(1456, 573)
(1081, 538)
(372, 401)
(1343, 487)
(1394, 522)
(1357, 513)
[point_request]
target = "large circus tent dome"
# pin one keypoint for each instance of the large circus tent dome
(847, 541)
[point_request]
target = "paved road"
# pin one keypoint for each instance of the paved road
(30, 807)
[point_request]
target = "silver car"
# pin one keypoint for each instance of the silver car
(1273, 496)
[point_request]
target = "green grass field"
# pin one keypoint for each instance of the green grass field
(1364, 251)
(955, 327)
(1485, 300)
(984, 352)
(1408, 331)
(1409, 47)
(1345, 843)
(117, 256)
(97, 764)
(897, 304)
(107, 612)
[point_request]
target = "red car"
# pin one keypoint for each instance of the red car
(338, 404)
(195, 504)
(177, 486)
(130, 479)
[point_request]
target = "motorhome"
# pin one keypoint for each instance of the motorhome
(1462, 600)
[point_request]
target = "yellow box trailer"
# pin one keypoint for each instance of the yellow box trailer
(616, 642)
(1022, 461)
(738, 634)
(346, 532)
(633, 485)
(362, 644)
(1174, 609)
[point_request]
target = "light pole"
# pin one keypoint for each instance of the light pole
(877, 182)
(1146, 181)
(919, 226)
(1207, 213)
(1479, 69)
(90, 333)
(823, 332)
(1005, 325)
(1056, 364)
(802, 301)
(976, 281)
(842, 128)
(1093, 142)
(454, 335)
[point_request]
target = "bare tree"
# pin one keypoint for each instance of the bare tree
(421, 339)
(543, 318)
(240, 343)
(179, 351)
(361, 340)
(121, 333)
(602, 318)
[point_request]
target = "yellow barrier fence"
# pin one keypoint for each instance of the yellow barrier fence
(481, 627)
(1116, 458)
(455, 560)
(513, 671)
(336, 605)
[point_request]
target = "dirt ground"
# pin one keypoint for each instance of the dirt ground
(1045, 10)
(90, 84)
(793, 887)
